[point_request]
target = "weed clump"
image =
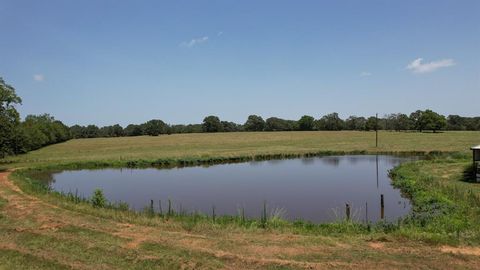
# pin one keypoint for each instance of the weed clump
(98, 200)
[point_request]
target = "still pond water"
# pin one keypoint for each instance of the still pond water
(314, 189)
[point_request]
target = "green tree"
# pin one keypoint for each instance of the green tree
(212, 124)
(278, 124)
(91, 131)
(306, 122)
(330, 122)
(456, 122)
(372, 123)
(397, 122)
(355, 123)
(77, 131)
(416, 120)
(155, 127)
(230, 126)
(9, 119)
(254, 123)
(431, 120)
(42, 130)
(133, 130)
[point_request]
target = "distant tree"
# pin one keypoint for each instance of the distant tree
(431, 120)
(397, 122)
(372, 123)
(278, 124)
(355, 123)
(456, 122)
(254, 123)
(472, 123)
(306, 122)
(212, 124)
(330, 122)
(403, 122)
(415, 120)
(117, 131)
(91, 131)
(191, 128)
(155, 127)
(133, 130)
(77, 131)
(194, 128)
(41, 130)
(9, 119)
(230, 126)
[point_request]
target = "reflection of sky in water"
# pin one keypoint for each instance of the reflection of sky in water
(307, 188)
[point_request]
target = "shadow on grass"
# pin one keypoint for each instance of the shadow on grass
(468, 175)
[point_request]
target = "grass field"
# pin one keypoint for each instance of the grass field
(45, 231)
(240, 144)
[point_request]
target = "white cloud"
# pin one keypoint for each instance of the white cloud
(194, 42)
(38, 77)
(220, 33)
(418, 67)
(365, 74)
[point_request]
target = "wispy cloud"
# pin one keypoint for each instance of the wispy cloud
(38, 77)
(194, 42)
(219, 33)
(417, 65)
(365, 74)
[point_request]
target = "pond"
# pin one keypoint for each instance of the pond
(316, 189)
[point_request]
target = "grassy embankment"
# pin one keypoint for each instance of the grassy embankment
(446, 208)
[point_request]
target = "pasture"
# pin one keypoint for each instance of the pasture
(242, 144)
(43, 230)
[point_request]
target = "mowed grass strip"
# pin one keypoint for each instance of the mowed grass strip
(236, 144)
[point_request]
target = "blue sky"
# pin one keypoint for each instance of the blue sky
(107, 62)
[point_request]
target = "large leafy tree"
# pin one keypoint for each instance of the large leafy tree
(416, 120)
(306, 122)
(212, 124)
(254, 123)
(330, 122)
(133, 130)
(9, 119)
(431, 120)
(372, 123)
(155, 127)
(355, 123)
(278, 124)
(41, 130)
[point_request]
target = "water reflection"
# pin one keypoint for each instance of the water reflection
(315, 189)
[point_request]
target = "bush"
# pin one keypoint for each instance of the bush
(98, 199)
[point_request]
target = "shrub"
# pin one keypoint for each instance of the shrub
(98, 199)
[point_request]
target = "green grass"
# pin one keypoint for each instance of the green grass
(446, 201)
(12, 259)
(238, 146)
(446, 208)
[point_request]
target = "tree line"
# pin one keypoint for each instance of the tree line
(36, 131)
(419, 120)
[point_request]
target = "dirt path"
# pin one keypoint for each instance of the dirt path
(33, 227)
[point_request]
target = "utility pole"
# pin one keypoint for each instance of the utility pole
(376, 130)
